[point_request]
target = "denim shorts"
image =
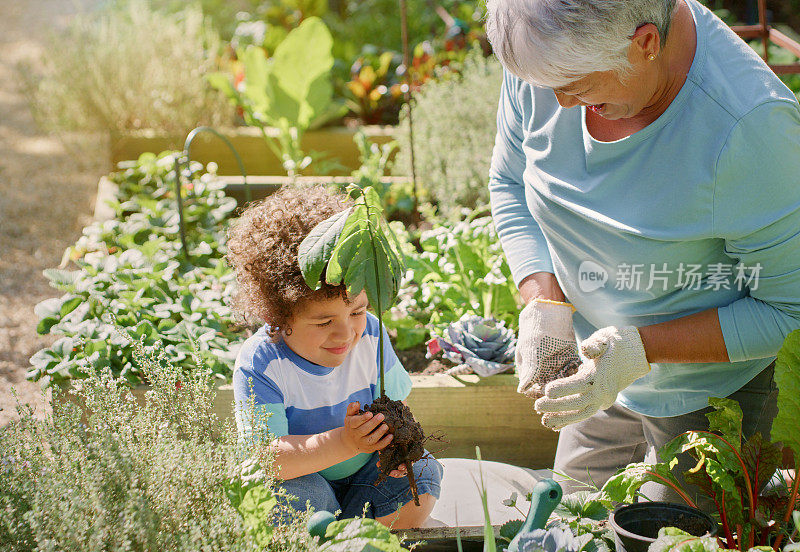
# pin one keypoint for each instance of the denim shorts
(351, 494)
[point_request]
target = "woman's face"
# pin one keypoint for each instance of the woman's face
(606, 95)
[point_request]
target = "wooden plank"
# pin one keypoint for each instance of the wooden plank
(488, 413)
(422, 533)
(336, 142)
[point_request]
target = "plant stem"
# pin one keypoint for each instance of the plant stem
(724, 519)
(746, 476)
(790, 506)
(672, 486)
(378, 308)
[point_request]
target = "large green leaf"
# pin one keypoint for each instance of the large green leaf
(299, 77)
(762, 458)
(703, 444)
(350, 252)
(359, 535)
(787, 376)
(671, 539)
(255, 508)
(728, 493)
(726, 419)
(623, 486)
(316, 249)
(256, 83)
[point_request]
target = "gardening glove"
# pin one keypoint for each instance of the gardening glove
(615, 359)
(546, 346)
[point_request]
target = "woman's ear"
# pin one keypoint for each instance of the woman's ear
(645, 44)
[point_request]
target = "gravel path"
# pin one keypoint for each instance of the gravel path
(47, 189)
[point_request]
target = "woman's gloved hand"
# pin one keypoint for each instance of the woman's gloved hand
(546, 346)
(615, 359)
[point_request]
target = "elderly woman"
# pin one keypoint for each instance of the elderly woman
(645, 185)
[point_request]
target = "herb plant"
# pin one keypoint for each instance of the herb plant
(92, 76)
(123, 476)
(454, 130)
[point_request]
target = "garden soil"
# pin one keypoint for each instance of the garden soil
(47, 189)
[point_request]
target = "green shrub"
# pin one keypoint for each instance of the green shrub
(152, 476)
(127, 68)
(454, 129)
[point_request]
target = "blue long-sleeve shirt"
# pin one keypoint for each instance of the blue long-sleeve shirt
(698, 210)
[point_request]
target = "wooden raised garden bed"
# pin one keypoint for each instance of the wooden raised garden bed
(336, 142)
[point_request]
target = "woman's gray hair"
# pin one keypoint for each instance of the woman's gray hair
(554, 42)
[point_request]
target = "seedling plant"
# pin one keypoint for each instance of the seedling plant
(353, 248)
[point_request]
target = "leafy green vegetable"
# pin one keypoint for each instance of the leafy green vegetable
(671, 539)
(787, 377)
(274, 93)
(461, 269)
(360, 534)
(130, 269)
(730, 472)
(624, 485)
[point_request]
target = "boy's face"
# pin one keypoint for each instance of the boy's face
(325, 331)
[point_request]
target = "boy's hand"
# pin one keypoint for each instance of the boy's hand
(364, 432)
(401, 470)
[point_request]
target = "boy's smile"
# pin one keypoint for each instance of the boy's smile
(324, 331)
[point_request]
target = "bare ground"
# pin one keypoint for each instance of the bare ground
(47, 188)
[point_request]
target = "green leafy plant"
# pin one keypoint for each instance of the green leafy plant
(131, 268)
(671, 539)
(274, 93)
(108, 472)
(360, 534)
(732, 471)
(461, 270)
(353, 248)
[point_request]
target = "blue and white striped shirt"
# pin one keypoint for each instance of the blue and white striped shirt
(304, 398)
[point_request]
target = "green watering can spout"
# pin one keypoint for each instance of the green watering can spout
(318, 524)
(546, 495)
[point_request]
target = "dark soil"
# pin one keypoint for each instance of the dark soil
(414, 361)
(406, 446)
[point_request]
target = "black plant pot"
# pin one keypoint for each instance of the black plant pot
(636, 525)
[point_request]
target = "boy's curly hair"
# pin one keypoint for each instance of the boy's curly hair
(262, 249)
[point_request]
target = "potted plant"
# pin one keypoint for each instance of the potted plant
(733, 472)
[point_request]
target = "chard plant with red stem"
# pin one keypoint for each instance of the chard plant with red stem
(732, 471)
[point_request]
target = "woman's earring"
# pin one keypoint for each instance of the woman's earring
(651, 57)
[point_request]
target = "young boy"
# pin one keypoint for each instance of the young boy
(313, 366)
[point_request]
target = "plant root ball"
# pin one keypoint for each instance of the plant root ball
(407, 445)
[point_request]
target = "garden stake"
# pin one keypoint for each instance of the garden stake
(188, 144)
(407, 97)
(179, 197)
(185, 155)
